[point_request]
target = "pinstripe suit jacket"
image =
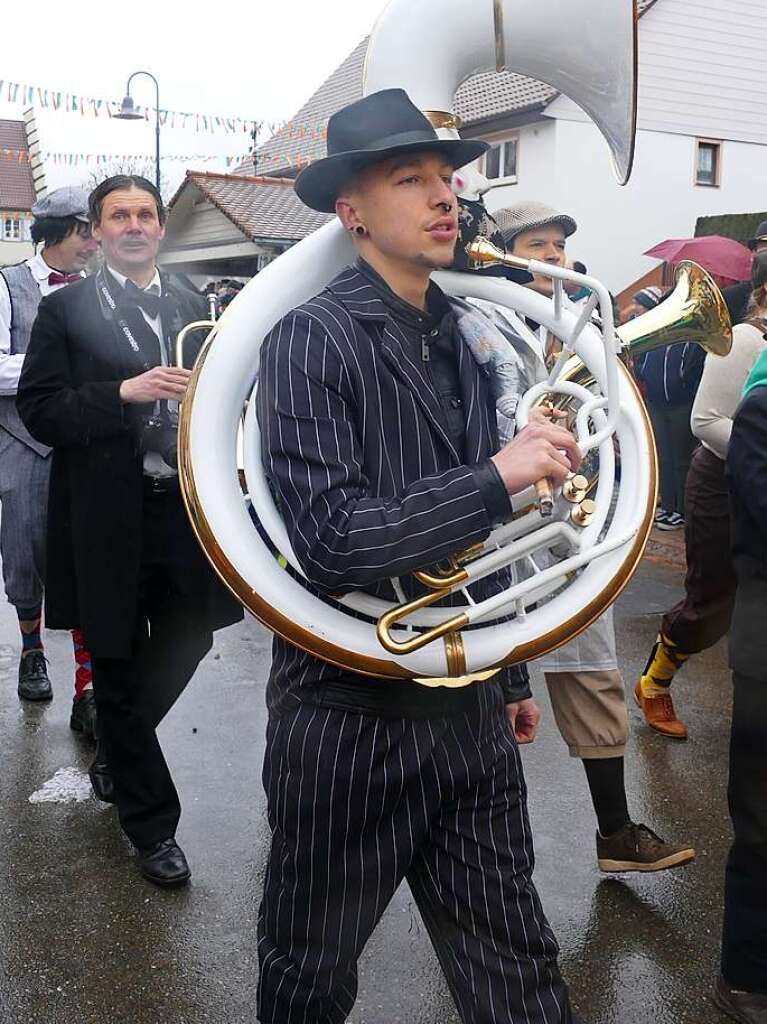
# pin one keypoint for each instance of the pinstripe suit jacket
(360, 459)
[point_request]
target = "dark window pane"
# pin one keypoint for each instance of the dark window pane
(493, 162)
(510, 158)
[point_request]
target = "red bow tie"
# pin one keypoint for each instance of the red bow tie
(55, 278)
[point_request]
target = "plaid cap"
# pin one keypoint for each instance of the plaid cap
(524, 216)
(69, 201)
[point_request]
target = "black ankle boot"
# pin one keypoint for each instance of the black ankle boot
(34, 683)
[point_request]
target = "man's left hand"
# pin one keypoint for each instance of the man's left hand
(524, 717)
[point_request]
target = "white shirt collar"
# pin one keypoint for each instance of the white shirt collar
(40, 269)
(154, 285)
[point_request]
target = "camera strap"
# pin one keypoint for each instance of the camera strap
(120, 320)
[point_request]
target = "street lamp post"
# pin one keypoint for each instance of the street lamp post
(128, 112)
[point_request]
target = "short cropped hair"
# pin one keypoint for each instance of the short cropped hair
(52, 230)
(122, 181)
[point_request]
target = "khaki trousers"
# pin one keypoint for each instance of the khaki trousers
(590, 712)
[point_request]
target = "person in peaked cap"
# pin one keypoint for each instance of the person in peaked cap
(537, 232)
(759, 241)
(582, 676)
(737, 296)
(62, 230)
(379, 437)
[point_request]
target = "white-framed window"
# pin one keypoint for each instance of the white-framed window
(500, 161)
(12, 227)
(708, 163)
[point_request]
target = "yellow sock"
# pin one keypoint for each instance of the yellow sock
(665, 659)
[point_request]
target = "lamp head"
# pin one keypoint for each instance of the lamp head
(128, 111)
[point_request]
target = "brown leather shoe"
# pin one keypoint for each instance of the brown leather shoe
(660, 715)
(745, 1007)
(638, 848)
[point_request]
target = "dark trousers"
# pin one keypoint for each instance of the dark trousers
(744, 942)
(357, 803)
(703, 615)
(134, 694)
(675, 444)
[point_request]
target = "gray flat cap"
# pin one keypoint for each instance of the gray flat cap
(69, 201)
(524, 216)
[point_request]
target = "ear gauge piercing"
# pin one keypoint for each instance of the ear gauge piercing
(360, 229)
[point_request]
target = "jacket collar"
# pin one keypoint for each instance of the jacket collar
(364, 303)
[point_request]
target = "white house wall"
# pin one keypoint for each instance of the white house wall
(567, 165)
(701, 70)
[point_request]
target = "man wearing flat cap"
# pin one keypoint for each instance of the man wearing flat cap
(582, 677)
(379, 439)
(62, 230)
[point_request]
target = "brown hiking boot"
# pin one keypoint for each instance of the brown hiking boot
(638, 848)
(659, 714)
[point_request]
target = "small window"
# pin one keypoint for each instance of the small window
(11, 229)
(501, 160)
(708, 163)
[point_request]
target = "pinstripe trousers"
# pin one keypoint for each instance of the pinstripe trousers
(24, 477)
(357, 803)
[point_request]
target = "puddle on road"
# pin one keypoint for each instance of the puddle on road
(68, 786)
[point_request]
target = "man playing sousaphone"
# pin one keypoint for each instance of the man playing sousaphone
(380, 441)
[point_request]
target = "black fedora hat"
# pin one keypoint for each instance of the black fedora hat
(372, 129)
(760, 236)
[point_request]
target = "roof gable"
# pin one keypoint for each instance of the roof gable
(260, 207)
(481, 98)
(17, 190)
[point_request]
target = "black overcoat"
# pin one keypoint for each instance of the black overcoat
(68, 398)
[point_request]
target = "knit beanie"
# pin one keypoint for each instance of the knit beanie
(648, 297)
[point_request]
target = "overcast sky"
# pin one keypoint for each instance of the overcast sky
(260, 59)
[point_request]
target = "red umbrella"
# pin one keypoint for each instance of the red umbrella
(723, 257)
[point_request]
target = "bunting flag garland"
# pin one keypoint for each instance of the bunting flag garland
(275, 159)
(66, 102)
(74, 159)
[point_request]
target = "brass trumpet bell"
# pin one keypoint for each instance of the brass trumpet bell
(694, 311)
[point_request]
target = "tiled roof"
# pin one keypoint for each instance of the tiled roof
(481, 98)
(17, 190)
(261, 207)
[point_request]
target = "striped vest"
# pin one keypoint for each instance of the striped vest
(25, 298)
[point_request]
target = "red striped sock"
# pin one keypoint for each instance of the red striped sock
(83, 674)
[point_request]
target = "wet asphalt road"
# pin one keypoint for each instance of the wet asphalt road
(83, 940)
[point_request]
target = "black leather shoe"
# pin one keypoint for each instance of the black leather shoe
(164, 864)
(34, 683)
(83, 717)
(101, 780)
(745, 1007)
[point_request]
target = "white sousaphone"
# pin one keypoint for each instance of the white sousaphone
(593, 541)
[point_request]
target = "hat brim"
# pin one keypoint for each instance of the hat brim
(318, 184)
(753, 242)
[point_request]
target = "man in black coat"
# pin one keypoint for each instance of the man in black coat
(99, 388)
